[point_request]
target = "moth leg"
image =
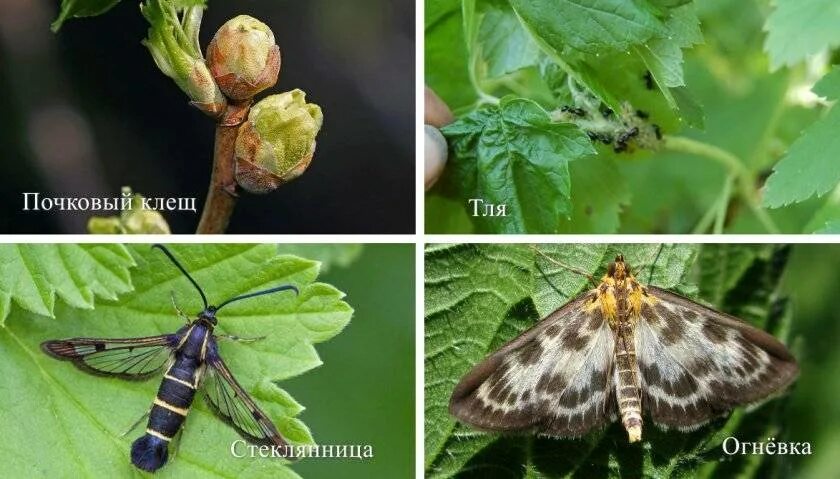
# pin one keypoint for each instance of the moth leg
(180, 313)
(175, 444)
(231, 337)
(137, 423)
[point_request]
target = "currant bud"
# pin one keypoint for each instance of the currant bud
(277, 142)
(243, 57)
(134, 220)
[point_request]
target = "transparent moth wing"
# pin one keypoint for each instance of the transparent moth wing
(233, 405)
(131, 358)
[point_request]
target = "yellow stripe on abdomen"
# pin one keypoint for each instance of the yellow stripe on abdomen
(177, 410)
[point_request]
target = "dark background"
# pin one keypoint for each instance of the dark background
(86, 111)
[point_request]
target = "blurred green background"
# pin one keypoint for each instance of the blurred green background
(812, 282)
(364, 392)
(749, 111)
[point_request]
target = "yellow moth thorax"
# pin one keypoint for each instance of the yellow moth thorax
(606, 299)
(619, 296)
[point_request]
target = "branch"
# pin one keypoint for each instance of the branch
(221, 196)
(733, 165)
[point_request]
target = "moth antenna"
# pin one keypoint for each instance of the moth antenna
(653, 263)
(178, 265)
(563, 265)
(260, 293)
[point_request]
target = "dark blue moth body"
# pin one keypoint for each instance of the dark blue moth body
(175, 394)
(191, 361)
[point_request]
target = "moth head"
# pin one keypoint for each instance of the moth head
(209, 315)
(618, 269)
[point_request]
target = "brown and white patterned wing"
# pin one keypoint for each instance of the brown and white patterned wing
(554, 379)
(697, 363)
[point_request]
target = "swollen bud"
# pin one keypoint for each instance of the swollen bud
(145, 222)
(102, 225)
(276, 144)
(243, 57)
(133, 220)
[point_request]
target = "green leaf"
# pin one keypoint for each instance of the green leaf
(329, 255)
(826, 215)
(475, 303)
(92, 8)
(720, 269)
(188, 3)
(445, 56)
(469, 289)
(809, 167)
(438, 9)
(81, 417)
(33, 274)
(663, 55)
(670, 3)
(754, 292)
(690, 110)
(561, 272)
(829, 85)
(589, 26)
(504, 46)
(588, 68)
(81, 8)
(797, 29)
(514, 155)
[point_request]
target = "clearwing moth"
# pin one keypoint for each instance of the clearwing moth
(190, 360)
(623, 350)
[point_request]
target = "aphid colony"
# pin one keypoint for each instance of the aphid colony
(624, 131)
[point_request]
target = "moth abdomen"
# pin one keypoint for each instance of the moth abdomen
(169, 411)
(166, 418)
(627, 384)
(175, 393)
(149, 452)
